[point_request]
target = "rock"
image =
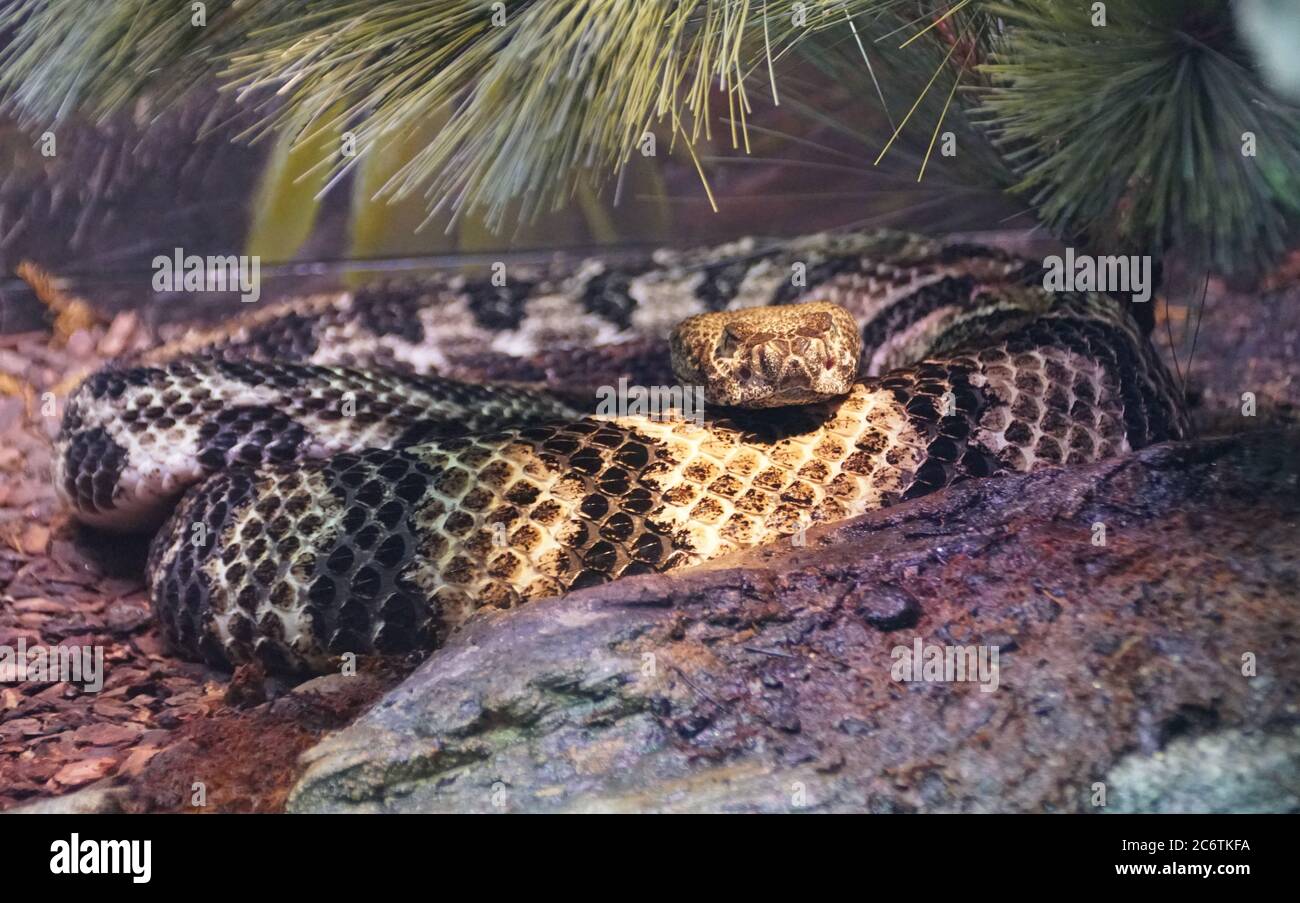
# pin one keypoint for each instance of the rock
(756, 683)
(888, 608)
(325, 684)
(1230, 771)
(95, 800)
(127, 616)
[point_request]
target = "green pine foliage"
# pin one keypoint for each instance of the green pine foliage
(1149, 132)
(1126, 136)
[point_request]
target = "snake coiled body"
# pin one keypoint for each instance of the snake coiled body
(308, 535)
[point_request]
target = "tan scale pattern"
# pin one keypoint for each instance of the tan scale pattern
(1057, 408)
(508, 517)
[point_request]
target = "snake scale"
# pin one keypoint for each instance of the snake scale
(339, 492)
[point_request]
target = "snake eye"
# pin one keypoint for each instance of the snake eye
(745, 372)
(830, 363)
(730, 342)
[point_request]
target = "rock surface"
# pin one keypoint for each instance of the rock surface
(1158, 669)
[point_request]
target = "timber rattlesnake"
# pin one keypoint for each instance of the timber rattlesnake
(343, 499)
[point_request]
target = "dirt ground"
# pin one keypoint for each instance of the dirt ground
(166, 732)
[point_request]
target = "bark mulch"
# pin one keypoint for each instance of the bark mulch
(159, 726)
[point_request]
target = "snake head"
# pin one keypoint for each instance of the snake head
(769, 357)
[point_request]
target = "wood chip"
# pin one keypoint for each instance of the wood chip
(119, 333)
(137, 760)
(35, 539)
(104, 733)
(22, 727)
(40, 604)
(74, 774)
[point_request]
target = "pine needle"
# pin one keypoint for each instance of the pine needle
(920, 97)
(542, 95)
(866, 59)
(961, 70)
(936, 23)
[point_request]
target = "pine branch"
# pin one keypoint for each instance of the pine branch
(539, 91)
(1128, 136)
(1137, 135)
